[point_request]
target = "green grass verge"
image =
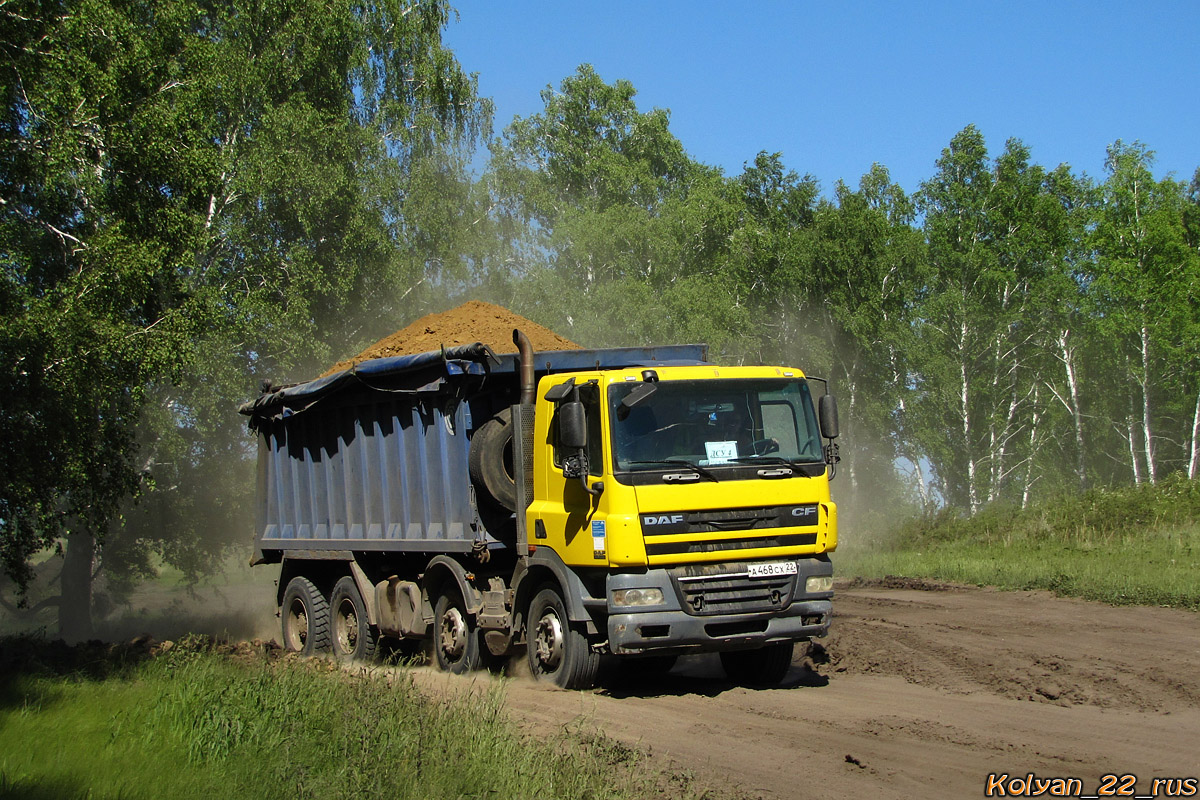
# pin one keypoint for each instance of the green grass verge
(1130, 546)
(195, 723)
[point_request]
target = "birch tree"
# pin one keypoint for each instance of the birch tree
(955, 323)
(867, 266)
(1140, 285)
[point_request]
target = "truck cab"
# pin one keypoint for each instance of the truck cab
(693, 501)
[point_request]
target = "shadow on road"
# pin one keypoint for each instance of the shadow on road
(700, 675)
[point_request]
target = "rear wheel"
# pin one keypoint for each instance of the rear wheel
(557, 651)
(305, 615)
(353, 638)
(765, 666)
(456, 640)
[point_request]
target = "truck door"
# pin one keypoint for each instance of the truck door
(567, 513)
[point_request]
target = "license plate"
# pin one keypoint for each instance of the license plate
(772, 569)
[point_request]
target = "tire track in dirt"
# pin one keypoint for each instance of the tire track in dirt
(925, 692)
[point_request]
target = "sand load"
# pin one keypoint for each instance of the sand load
(473, 321)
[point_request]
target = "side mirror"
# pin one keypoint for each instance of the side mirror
(572, 426)
(827, 415)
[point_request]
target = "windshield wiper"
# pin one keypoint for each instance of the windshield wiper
(699, 470)
(794, 464)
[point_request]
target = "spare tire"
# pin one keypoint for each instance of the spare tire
(490, 460)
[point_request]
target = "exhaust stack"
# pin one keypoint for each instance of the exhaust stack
(525, 353)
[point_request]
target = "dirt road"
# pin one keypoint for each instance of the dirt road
(924, 693)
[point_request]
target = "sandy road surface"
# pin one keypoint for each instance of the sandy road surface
(925, 691)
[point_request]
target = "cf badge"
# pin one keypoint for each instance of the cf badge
(806, 515)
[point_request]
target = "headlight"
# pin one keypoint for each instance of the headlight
(815, 584)
(637, 597)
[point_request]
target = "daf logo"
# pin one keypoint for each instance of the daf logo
(663, 519)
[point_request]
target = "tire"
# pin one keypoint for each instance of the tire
(765, 666)
(352, 636)
(457, 645)
(490, 460)
(305, 614)
(556, 650)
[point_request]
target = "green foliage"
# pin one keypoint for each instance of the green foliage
(593, 197)
(195, 198)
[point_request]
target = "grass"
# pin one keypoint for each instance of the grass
(1130, 546)
(196, 722)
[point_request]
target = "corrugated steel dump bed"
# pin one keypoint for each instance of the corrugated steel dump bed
(375, 458)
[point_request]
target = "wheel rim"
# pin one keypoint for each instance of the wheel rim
(549, 642)
(452, 637)
(297, 625)
(346, 626)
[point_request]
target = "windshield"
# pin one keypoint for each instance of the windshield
(714, 423)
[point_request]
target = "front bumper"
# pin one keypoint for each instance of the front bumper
(669, 628)
(663, 631)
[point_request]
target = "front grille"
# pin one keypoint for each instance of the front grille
(731, 593)
(725, 520)
(729, 529)
(716, 545)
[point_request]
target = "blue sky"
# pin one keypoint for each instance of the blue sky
(837, 86)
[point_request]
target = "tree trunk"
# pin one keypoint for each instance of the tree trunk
(1068, 359)
(75, 610)
(1033, 446)
(965, 410)
(1001, 446)
(1002, 375)
(1148, 438)
(1131, 434)
(1194, 454)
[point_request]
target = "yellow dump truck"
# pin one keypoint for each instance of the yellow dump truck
(638, 502)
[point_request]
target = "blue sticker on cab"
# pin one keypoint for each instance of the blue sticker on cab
(598, 538)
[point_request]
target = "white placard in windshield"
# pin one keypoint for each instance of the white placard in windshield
(720, 453)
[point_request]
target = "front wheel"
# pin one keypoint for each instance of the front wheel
(305, 615)
(763, 667)
(558, 652)
(353, 638)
